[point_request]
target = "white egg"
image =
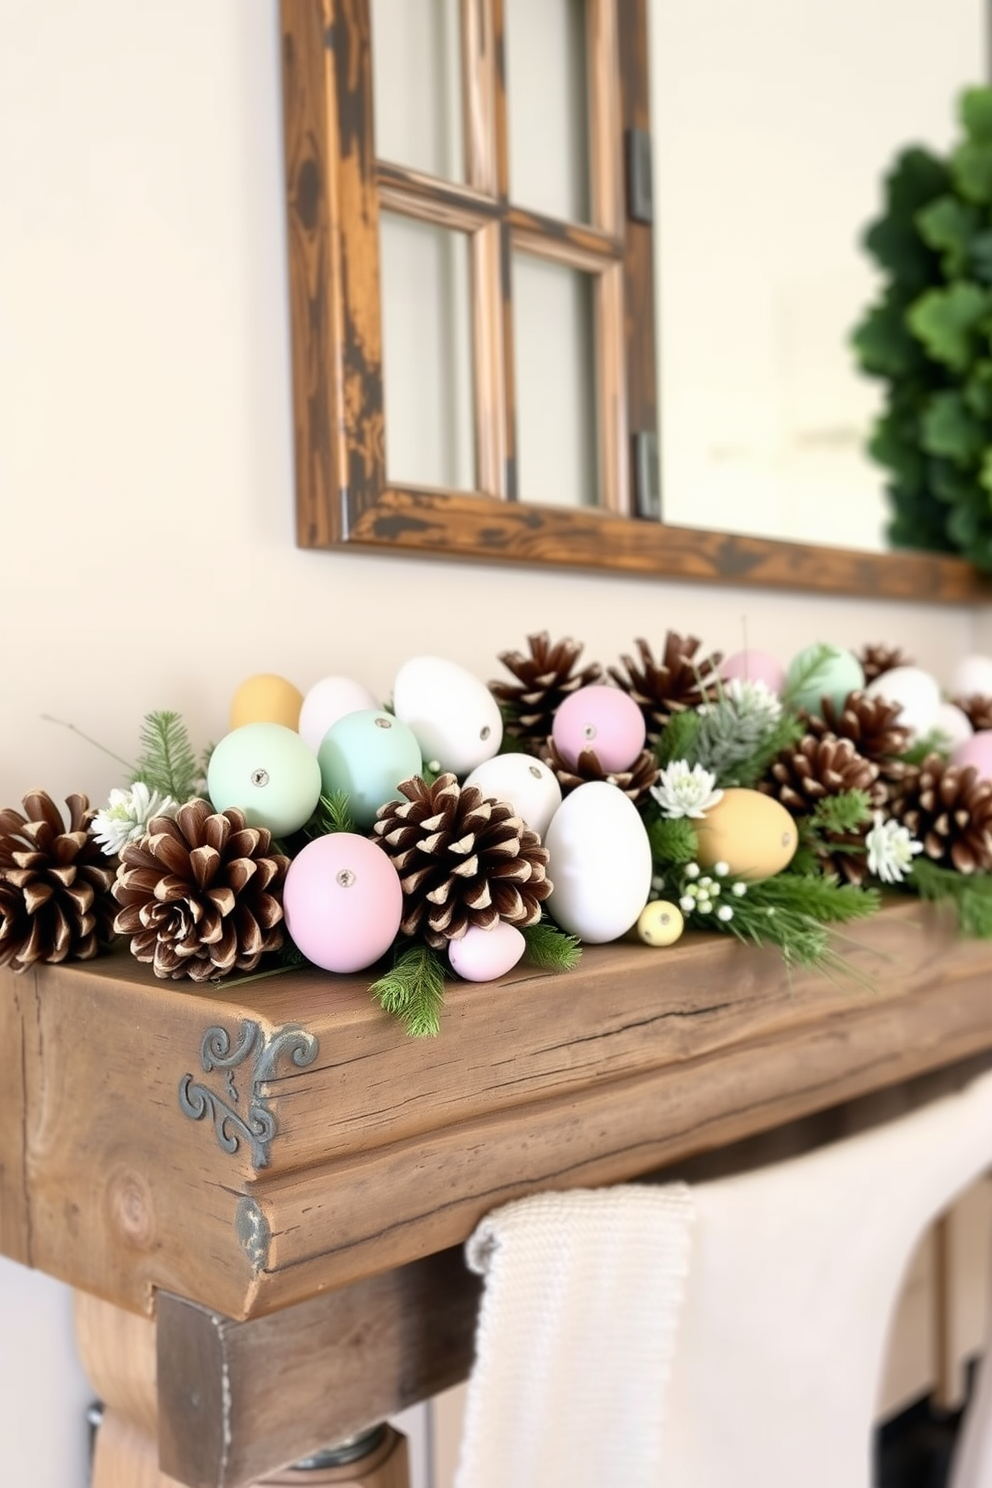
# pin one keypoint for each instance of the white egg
(454, 716)
(954, 724)
(972, 675)
(916, 692)
(600, 863)
(524, 783)
(328, 700)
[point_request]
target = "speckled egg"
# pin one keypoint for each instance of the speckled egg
(750, 832)
(660, 923)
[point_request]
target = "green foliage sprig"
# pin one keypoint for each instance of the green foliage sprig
(413, 990)
(968, 895)
(167, 762)
(550, 949)
(927, 338)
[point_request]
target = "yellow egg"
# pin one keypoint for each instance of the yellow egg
(266, 699)
(660, 923)
(752, 833)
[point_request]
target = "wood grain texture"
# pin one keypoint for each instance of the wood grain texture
(459, 526)
(15, 1208)
(388, 1149)
(240, 1399)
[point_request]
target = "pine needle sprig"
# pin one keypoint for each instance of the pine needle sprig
(333, 814)
(551, 949)
(413, 990)
(933, 743)
(677, 739)
(167, 762)
(968, 895)
(816, 897)
(672, 840)
(842, 813)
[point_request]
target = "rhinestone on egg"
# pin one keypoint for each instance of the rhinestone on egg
(259, 777)
(384, 723)
(346, 878)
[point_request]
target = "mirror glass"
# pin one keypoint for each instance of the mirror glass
(547, 106)
(773, 123)
(416, 85)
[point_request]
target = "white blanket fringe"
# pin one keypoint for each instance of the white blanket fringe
(575, 1340)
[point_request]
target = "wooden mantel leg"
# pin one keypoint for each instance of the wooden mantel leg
(118, 1353)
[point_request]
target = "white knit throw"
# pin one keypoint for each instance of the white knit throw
(575, 1338)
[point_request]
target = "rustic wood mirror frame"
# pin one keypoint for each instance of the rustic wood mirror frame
(336, 188)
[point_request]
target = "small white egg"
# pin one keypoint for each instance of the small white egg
(454, 716)
(916, 692)
(524, 783)
(328, 700)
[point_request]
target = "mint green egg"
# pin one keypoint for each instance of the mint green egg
(822, 671)
(367, 754)
(268, 771)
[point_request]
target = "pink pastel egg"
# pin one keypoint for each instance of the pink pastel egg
(975, 751)
(342, 901)
(484, 955)
(600, 718)
(754, 666)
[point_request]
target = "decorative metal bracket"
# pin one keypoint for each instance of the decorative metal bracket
(254, 1123)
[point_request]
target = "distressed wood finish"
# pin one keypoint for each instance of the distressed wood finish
(387, 1149)
(237, 1400)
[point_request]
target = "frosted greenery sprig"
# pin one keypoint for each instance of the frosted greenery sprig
(735, 725)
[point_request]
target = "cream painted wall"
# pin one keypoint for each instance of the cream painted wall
(146, 530)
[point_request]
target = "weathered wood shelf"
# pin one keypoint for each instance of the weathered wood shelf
(332, 1147)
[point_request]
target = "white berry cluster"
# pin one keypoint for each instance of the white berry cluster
(702, 892)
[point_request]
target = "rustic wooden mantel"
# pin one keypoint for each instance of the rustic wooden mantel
(249, 1147)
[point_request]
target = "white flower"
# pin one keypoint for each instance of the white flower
(126, 816)
(684, 792)
(891, 849)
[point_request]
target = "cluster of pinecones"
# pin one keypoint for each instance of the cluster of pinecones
(856, 747)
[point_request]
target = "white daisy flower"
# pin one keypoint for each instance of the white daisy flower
(126, 816)
(891, 849)
(682, 791)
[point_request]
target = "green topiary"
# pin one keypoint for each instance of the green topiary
(929, 338)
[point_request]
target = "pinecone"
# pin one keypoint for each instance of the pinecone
(802, 776)
(546, 678)
(949, 808)
(977, 708)
(870, 724)
(197, 893)
(635, 782)
(878, 659)
(463, 859)
(677, 681)
(55, 899)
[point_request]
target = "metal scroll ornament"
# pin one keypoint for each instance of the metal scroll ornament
(240, 1112)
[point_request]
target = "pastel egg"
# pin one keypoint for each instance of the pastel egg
(328, 700)
(754, 666)
(600, 862)
(953, 724)
(522, 782)
(366, 755)
(266, 698)
(342, 901)
(660, 923)
(976, 751)
(750, 832)
(916, 692)
(823, 671)
(972, 676)
(267, 770)
(484, 955)
(454, 716)
(601, 718)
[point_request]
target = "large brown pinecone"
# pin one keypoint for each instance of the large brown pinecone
(977, 708)
(55, 899)
(801, 776)
(677, 681)
(876, 659)
(949, 808)
(463, 859)
(635, 782)
(198, 894)
(545, 679)
(870, 724)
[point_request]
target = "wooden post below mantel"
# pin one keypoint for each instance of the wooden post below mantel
(249, 1145)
